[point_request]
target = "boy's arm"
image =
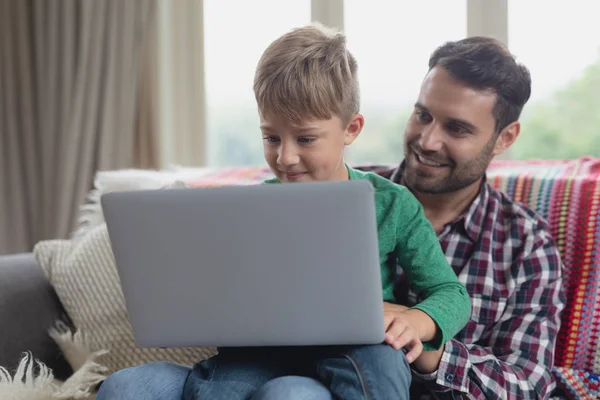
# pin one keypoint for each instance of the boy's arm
(445, 299)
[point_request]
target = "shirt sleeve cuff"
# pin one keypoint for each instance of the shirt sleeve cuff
(452, 372)
(424, 377)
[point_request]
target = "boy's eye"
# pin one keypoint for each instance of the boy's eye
(305, 140)
(271, 139)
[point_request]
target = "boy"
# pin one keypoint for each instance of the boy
(307, 93)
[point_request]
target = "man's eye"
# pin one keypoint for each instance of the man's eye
(457, 129)
(423, 116)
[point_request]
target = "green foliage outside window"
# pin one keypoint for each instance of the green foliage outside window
(564, 125)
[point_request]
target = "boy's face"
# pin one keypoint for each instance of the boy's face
(310, 151)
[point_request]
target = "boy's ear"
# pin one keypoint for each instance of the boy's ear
(353, 129)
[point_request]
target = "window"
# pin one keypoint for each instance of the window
(559, 42)
(235, 38)
(392, 42)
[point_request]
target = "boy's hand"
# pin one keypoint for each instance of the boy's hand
(429, 361)
(407, 328)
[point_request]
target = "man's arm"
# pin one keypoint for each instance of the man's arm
(513, 358)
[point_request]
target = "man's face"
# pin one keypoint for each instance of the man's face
(450, 136)
(310, 151)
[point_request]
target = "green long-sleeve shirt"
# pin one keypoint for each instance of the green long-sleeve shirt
(407, 238)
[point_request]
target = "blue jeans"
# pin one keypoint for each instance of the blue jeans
(348, 372)
(165, 381)
(158, 380)
(379, 372)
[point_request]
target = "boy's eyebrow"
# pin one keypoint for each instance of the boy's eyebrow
(305, 129)
(299, 129)
(267, 128)
(462, 122)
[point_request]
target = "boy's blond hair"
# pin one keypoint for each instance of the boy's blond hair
(308, 74)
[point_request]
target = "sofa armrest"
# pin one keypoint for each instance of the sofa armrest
(28, 308)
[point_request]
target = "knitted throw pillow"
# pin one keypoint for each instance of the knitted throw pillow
(85, 278)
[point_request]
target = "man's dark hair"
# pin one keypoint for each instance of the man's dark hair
(483, 63)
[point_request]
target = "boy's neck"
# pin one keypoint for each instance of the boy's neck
(342, 173)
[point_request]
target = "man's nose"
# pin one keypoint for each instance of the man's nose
(287, 155)
(431, 138)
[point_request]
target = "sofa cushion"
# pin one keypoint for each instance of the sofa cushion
(90, 213)
(85, 279)
(567, 195)
(28, 309)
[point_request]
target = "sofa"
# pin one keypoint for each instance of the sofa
(565, 192)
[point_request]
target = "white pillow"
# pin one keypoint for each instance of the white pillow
(90, 213)
(85, 278)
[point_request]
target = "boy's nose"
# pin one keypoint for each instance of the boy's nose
(287, 156)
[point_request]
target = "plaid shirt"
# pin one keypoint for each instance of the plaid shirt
(503, 253)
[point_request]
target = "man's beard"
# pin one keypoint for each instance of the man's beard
(459, 176)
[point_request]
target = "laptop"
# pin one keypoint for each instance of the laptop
(261, 265)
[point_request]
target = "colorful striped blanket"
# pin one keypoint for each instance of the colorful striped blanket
(567, 195)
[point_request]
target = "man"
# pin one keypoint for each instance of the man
(466, 113)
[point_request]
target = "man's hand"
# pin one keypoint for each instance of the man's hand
(407, 328)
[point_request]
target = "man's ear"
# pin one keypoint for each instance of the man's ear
(353, 128)
(507, 137)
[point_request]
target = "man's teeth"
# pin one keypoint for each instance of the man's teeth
(429, 162)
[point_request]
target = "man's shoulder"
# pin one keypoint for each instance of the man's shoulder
(519, 222)
(511, 210)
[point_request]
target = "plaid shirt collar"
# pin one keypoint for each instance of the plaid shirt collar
(471, 219)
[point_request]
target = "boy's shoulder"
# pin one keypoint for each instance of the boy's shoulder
(388, 194)
(380, 184)
(271, 180)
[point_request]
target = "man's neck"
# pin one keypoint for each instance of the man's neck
(440, 209)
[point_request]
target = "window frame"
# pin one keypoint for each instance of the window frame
(183, 133)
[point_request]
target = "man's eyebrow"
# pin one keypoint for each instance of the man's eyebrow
(464, 123)
(421, 106)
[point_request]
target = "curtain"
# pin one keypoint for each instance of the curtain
(76, 96)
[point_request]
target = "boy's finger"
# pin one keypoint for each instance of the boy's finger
(403, 340)
(395, 330)
(415, 351)
(387, 321)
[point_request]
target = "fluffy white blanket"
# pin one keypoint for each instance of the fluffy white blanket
(34, 381)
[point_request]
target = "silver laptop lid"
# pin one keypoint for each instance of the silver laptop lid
(283, 264)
